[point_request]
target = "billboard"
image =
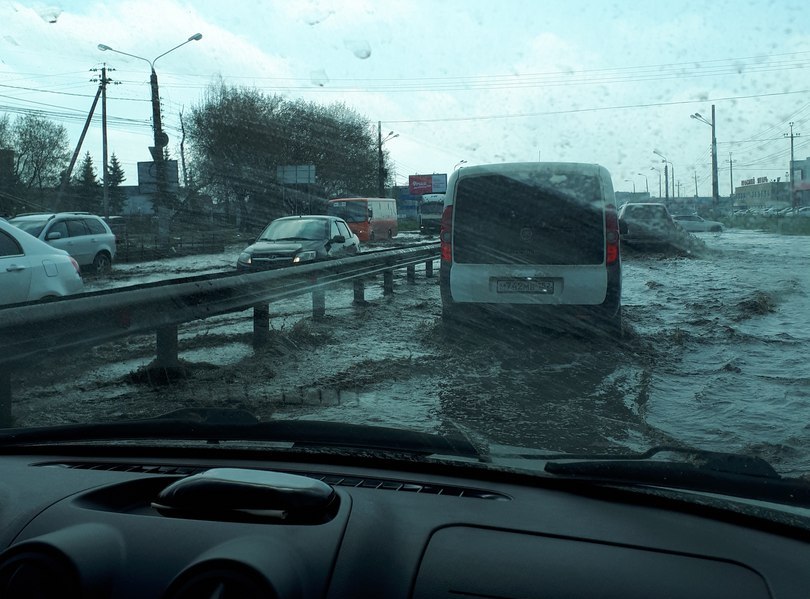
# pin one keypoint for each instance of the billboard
(290, 175)
(422, 184)
(147, 177)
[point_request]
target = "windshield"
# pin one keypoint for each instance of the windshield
(351, 212)
(538, 317)
(297, 229)
(34, 227)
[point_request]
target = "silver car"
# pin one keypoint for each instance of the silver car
(694, 223)
(84, 236)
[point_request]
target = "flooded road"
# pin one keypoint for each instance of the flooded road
(715, 356)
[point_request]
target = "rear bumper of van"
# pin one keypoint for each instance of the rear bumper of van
(592, 295)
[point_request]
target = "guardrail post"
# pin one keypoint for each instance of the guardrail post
(318, 301)
(167, 346)
(411, 269)
(359, 291)
(261, 325)
(388, 282)
(5, 397)
(429, 269)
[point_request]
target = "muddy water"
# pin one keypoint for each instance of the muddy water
(715, 356)
(734, 331)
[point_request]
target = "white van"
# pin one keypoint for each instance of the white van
(532, 237)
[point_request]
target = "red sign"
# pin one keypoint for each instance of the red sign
(421, 184)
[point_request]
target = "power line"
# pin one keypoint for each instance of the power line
(593, 109)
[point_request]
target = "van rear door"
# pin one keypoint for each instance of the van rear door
(529, 225)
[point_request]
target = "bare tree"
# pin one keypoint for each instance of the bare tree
(239, 137)
(42, 151)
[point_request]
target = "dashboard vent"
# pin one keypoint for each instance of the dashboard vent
(330, 479)
(220, 582)
(33, 574)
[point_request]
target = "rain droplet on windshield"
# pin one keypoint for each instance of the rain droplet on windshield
(360, 48)
(319, 77)
(49, 14)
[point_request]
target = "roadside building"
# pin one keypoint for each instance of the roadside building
(761, 192)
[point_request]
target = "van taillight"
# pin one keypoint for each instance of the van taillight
(446, 234)
(611, 235)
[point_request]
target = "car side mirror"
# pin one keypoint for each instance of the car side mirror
(622, 227)
(338, 239)
(52, 236)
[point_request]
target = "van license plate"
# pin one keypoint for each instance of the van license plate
(525, 286)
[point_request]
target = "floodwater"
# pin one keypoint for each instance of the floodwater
(715, 356)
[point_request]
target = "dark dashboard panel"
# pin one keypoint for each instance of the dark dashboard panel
(91, 526)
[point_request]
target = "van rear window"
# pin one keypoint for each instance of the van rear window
(551, 220)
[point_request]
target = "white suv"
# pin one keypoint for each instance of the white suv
(532, 238)
(84, 236)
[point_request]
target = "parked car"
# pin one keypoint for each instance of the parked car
(649, 224)
(542, 237)
(296, 239)
(694, 223)
(84, 236)
(31, 270)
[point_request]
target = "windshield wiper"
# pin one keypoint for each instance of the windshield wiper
(290, 239)
(696, 470)
(216, 425)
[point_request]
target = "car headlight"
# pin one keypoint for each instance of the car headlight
(246, 258)
(304, 256)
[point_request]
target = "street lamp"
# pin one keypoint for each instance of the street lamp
(459, 163)
(161, 140)
(715, 185)
(380, 142)
(646, 182)
(658, 170)
(666, 175)
(634, 184)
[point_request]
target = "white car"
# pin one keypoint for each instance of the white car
(697, 224)
(32, 270)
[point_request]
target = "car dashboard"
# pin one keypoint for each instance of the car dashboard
(80, 525)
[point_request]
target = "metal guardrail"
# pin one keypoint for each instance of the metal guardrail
(29, 332)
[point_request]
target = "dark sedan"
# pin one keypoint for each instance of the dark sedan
(298, 239)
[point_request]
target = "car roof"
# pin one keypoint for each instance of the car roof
(580, 168)
(309, 217)
(644, 204)
(49, 215)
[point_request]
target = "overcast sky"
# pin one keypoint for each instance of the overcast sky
(507, 80)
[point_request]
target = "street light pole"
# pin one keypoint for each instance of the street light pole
(715, 183)
(161, 140)
(646, 182)
(658, 170)
(666, 174)
(380, 169)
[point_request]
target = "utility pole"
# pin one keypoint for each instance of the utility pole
(715, 184)
(793, 198)
(679, 190)
(666, 181)
(69, 171)
(105, 170)
(696, 190)
(380, 181)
